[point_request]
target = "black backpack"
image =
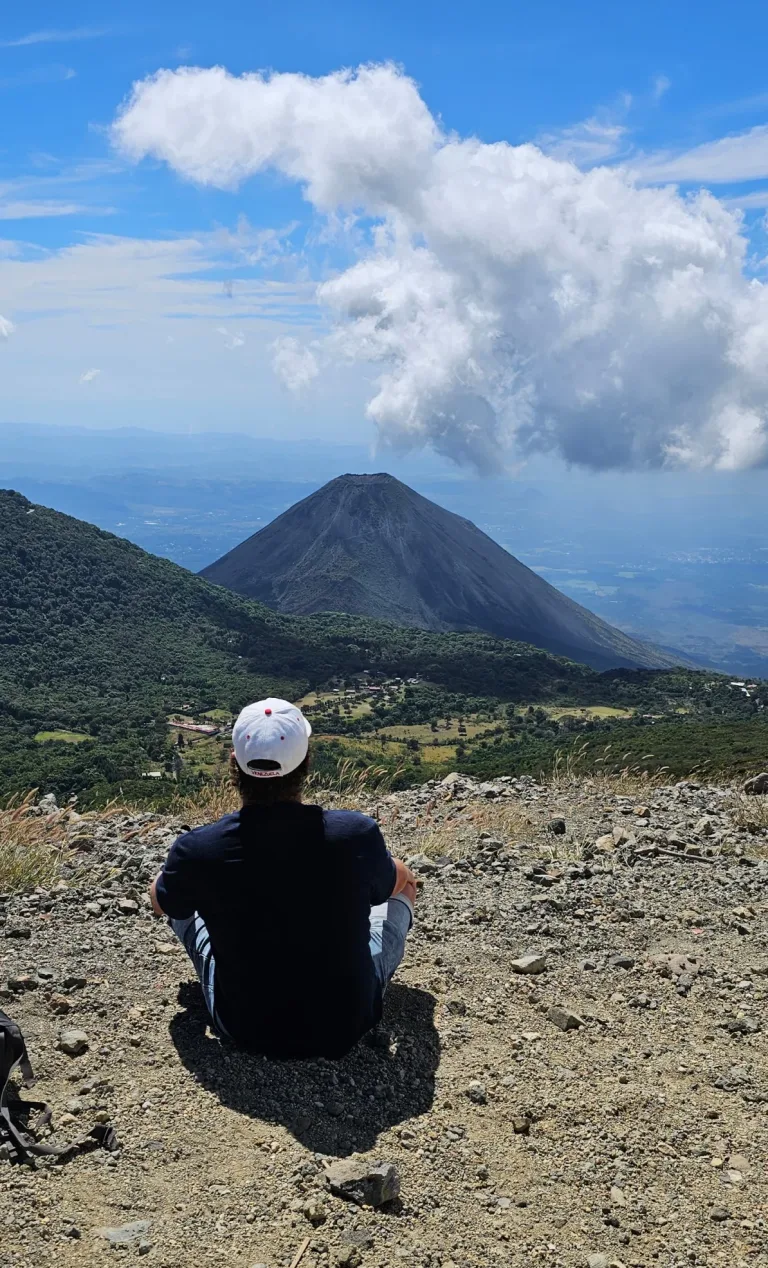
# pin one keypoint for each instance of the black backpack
(16, 1143)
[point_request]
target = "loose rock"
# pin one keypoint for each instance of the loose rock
(564, 1018)
(477, 1093)
(367, 1184)
(125, 1234)
(529, 964)
(73, 1042)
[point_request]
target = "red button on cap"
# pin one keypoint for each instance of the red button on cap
(267, 710)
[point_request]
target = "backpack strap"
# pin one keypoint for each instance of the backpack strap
(13, 1054)
(13, 1057)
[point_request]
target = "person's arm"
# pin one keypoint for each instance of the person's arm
(389, 876)
(405, 877)
(173, 892)
(157, 909)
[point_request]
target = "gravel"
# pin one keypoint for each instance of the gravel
(636, 1137)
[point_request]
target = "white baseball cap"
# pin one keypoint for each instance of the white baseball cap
(271, 730)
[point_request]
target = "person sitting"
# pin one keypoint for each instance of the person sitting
(294, 917)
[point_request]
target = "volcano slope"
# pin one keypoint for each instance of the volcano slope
(369, 545)
(637, 1137)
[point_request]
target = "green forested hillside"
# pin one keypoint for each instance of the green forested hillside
(100, 639)
(100, 642)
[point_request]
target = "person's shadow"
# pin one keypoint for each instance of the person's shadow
(332, 1107)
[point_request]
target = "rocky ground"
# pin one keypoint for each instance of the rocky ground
(573, 1070)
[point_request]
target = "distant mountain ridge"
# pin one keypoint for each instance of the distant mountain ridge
(370, 545)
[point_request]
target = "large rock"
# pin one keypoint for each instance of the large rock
(73, 1042)
(529, 964)
(705, 827)
(367, 1183)
(682, 968)
(605, 843)
(23, 982)
(421, 863)
(125, 1234)
(757, 785)
(622, 837)
(564, 1018)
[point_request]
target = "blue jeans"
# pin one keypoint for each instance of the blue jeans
(390, 925)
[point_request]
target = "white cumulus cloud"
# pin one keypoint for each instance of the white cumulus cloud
(6, 328)
(294, 363)
(509, 298)
(89, 375)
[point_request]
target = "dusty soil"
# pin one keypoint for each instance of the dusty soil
(638, 1137)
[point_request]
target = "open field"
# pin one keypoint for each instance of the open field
(64, 737)
(592, 711)
(424, 733)
(322, 703)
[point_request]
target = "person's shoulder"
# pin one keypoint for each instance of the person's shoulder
(199, 841)
(346, 824)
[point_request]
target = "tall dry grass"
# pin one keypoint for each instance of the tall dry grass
(206, 804)
(611, 769)
(353, 785)
(611, 772)
(749, 813)
(456, 836)
(31, 844)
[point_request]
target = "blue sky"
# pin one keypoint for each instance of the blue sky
(138, 294)
(496, 70)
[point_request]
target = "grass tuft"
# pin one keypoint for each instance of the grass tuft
(458, 837)
(749, 813)
(206, 804)
(611, 773)
(31, 844)
(355, 783)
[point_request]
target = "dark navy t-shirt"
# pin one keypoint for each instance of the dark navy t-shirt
(286, 892)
